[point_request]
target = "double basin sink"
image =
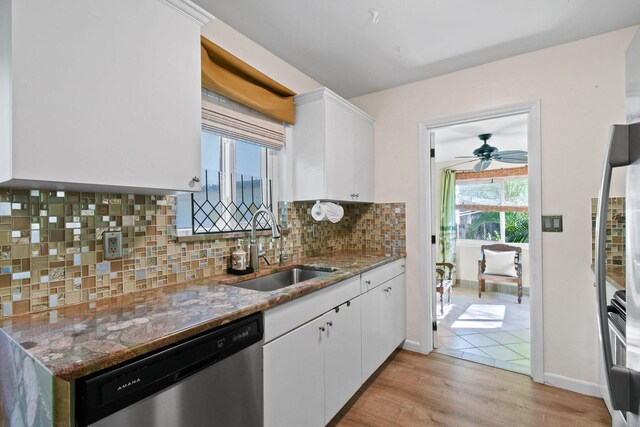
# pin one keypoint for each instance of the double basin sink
(282, 279)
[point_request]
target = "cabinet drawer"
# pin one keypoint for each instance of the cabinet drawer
(372, 278)
(286, 317)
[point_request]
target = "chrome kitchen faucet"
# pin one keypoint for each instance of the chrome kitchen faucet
(253, 247)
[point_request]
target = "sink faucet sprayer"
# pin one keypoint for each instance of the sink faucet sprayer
(253, 247)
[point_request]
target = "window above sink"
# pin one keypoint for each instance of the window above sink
(239, 170)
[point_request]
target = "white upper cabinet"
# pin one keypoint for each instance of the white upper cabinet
(332, 149)
(101, 95)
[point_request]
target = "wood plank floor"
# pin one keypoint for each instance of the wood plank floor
(413, 389)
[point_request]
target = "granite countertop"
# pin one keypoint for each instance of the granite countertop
(78, 340)
(616, 275)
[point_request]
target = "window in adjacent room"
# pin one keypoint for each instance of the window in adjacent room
(493, 209)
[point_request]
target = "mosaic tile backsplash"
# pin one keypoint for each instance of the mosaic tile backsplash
(615, 246)
(51, 250)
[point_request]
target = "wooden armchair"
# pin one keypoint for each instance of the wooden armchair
(444, 282)
(482, 276)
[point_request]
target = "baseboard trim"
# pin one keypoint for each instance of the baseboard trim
(571, 384)
(411, 345)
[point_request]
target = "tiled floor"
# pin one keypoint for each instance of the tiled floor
(493, 330)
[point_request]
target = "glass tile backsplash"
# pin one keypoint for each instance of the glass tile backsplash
(615, 243)
(51, 250)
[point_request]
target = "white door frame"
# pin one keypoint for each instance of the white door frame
(427, 295)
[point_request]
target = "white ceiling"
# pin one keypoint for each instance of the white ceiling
(508, 133)
(335, 42)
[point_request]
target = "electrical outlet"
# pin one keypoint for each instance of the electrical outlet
(112, 244)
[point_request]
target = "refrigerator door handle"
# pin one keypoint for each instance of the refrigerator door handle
(622, 382)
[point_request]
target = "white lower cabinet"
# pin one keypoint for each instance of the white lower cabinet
(294, 377)
(383, 323)
(321, 348)
(398, 314)
(312, 371)
(374, 350)
(342, 356)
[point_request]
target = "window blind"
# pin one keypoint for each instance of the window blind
(234, 120)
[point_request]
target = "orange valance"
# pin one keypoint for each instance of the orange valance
(233, 78)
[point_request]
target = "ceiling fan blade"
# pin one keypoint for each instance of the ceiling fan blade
(465, 157)
(481, 165)
(510, 157)
(507, 158)
(511, 153)
(518, 160)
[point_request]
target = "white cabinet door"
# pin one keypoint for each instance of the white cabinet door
(294, 377)
(374, 341)
(363, 173)
(307, 152)
(340, 162)
(383, 323)
(332, 149)
(343, 357)
(397, 311)
(119, 109)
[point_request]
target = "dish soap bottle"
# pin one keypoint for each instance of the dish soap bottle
(239, 258)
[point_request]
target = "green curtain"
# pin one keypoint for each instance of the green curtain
(447, 240)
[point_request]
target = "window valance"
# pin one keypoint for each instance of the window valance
(227, 75)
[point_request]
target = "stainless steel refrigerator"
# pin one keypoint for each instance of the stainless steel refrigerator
(619, 321)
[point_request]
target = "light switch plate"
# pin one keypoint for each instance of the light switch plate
(112, 244)
(552, 223)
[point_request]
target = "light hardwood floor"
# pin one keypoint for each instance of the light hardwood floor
(412, 389)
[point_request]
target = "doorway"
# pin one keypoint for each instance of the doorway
(493, 198)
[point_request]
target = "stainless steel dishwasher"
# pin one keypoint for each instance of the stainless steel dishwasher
(214, 379)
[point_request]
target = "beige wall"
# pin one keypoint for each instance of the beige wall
(581, 89)
(258, 57)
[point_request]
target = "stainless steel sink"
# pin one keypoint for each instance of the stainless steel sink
(281, 279)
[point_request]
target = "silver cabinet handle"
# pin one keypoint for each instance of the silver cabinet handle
(622, 381)
(387, 289)
(402, 265)
(367, 282)
(357, 195)
(322, 328)
(330, 323)
(196, 178)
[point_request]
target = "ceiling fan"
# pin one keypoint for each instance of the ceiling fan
(487, 153)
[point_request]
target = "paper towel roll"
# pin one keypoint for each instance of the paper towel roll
(318, 212)
(334, 212)
(327, 211)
